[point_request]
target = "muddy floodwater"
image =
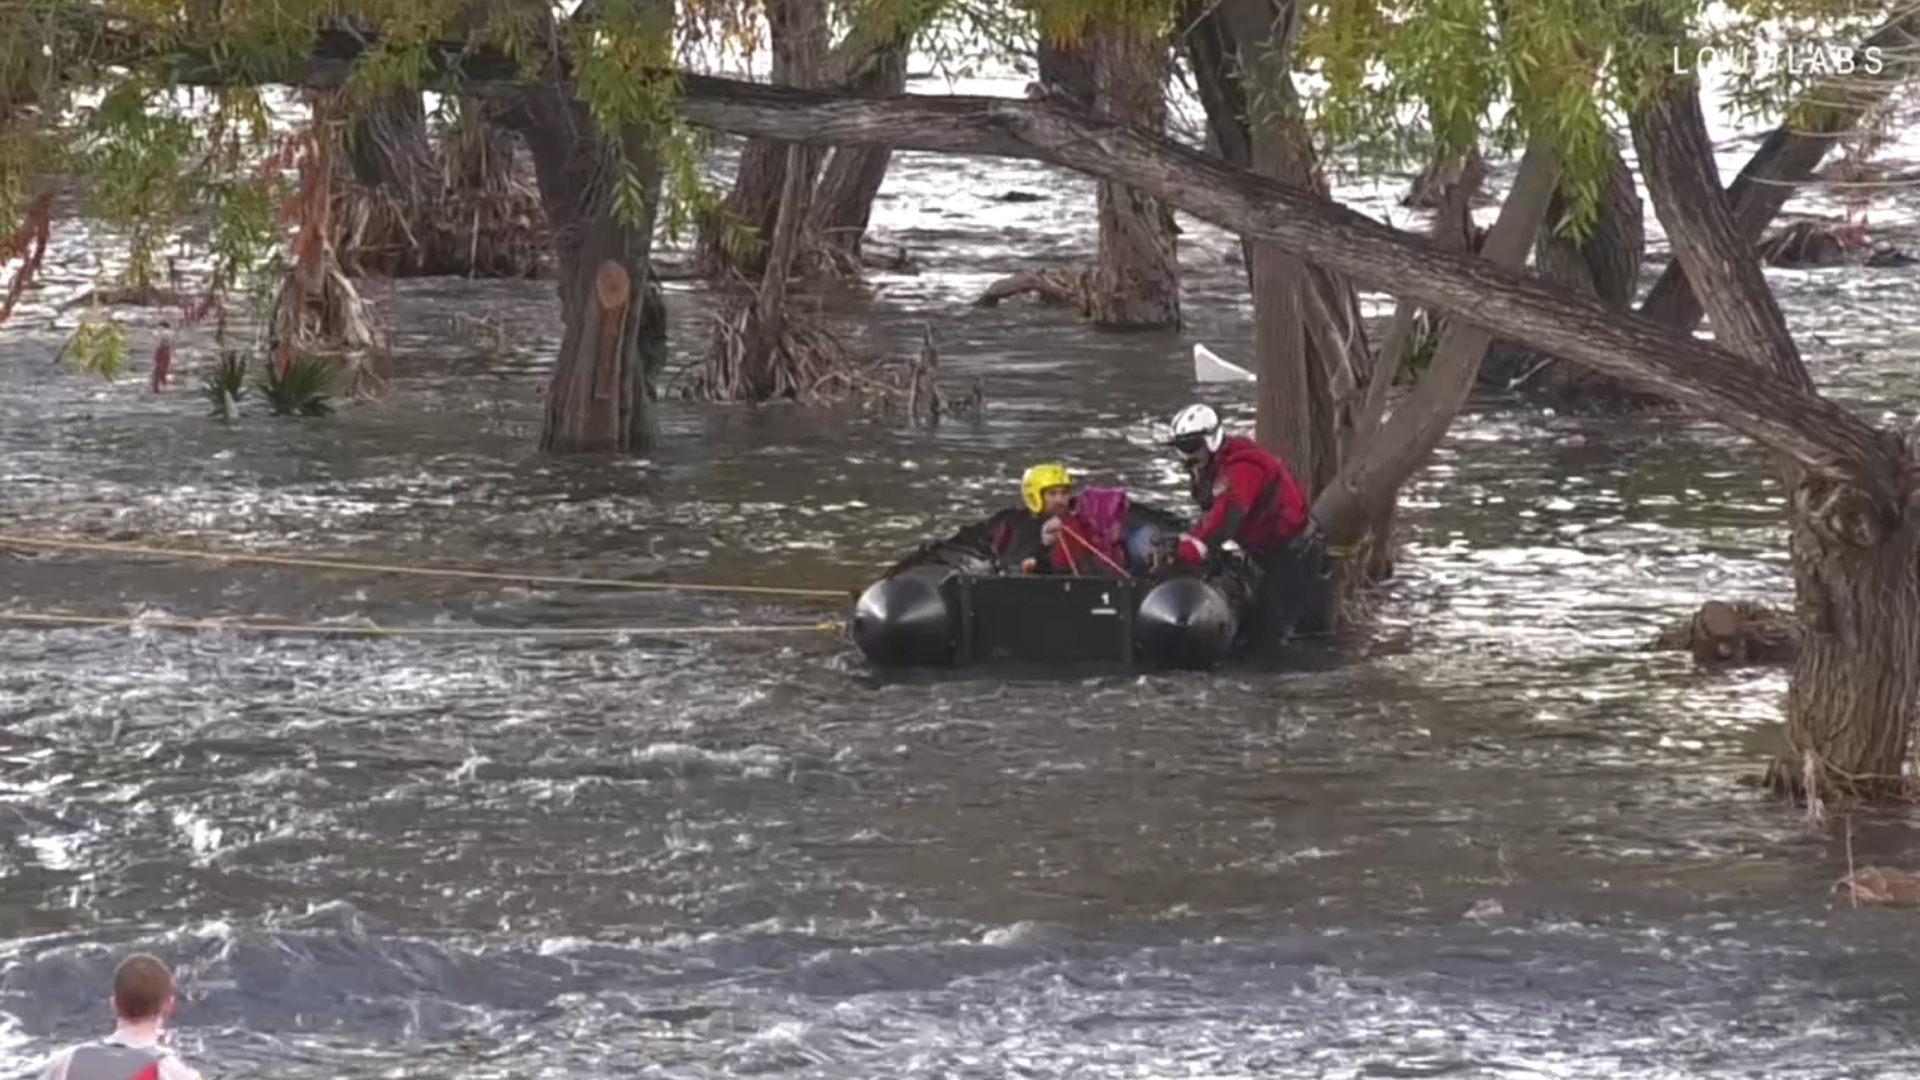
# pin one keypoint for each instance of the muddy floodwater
(1501, 839)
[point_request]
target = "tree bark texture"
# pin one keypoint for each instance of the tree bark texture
(1235, 46)
(1607, 263)
(863, 64)
(1370, 482)
(1452, 229)
(599, 399)
(761, 345)
(1136, 280)
(1288, 419)
(389, 146)
(1704, 378)
(1791, 154)
(449, 204)
(1456, 184)
(1065, 70)
(1856, 542)
(751, 212)
(851, 179)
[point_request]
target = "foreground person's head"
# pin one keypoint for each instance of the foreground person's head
(143, 991)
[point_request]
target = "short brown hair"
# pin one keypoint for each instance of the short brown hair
(141, 986)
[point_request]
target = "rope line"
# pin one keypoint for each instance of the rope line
(330, 563)
(45, 618)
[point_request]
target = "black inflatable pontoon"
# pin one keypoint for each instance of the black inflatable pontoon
(950, 604)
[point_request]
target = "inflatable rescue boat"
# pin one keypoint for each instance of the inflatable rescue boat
(953, 604)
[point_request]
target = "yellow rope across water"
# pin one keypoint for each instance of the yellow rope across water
(328, 563)
(54, 618)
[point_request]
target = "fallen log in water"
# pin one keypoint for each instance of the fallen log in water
(1073, 287)
(1737, 634)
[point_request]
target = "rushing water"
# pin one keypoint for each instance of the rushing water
(1502, 839)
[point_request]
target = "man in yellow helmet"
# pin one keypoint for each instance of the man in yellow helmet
(1047, 535)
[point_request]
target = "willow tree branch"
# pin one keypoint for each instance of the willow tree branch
(1711, 381)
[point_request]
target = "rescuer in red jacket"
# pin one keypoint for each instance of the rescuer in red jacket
(1249, 496)
(1246, 494)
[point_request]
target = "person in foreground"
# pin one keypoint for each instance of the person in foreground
(143, 998)
(1050, 534)
(1249, 496)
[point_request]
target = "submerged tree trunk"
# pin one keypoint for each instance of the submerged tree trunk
(1606, 265)
(1136, 282)
(1856, 542)
(445, 205)
(614, 346)
(1317, 318)
(1214, 57)
(1373, 480)
(389, 146)
(755, 356)
(1290, 419)
(740, 241)
(317, 307)
(851, 179)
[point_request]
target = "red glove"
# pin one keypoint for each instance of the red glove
(1190, 550)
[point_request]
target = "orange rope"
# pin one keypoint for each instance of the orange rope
(1101, 555)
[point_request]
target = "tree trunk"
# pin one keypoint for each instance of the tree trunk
(412, 207)
(851, 179)
(1066, 70)
(1856, 551)
(1136, 282)
(740, 241)
(1212, 51)
(611, 353)
(1220, 41)
(754, 357)
(1213, 55)
(1605, 265)
(1791, 154)
(1455, 184)
(389, 146)
(1288, 419)
(1372, 481)
(317, 307)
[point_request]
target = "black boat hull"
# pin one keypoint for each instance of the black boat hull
(939, 617)
(952, 604)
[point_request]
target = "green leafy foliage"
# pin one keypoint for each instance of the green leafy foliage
(98, 347)
(300, 387)
(1564, 71)
(225, 385)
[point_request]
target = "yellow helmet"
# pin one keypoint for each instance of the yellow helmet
(1038, 479)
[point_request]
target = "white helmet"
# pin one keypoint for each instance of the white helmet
(1196, 426)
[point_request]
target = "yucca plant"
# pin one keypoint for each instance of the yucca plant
(299, 388)
(225, 385)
